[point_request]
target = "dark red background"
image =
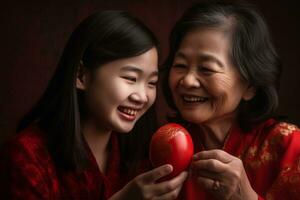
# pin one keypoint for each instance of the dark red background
(34, 33)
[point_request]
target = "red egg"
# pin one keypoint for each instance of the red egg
(171, 144)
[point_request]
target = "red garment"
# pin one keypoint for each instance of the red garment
(271, 157)
(28, 172)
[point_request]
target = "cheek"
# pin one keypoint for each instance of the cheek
(221, 86)
(117, 90)
(229, 93)
(104, 95)
(151, 93)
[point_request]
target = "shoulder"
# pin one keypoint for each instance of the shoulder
(27, 154)
(285, 129)
(30, 138)
(287, 134)
(273, 142)
(282, 130)
(29, 144)
(281, 134)
(26, 167)
(273, 128)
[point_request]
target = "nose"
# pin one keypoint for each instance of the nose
(190, 80)
(139, 96)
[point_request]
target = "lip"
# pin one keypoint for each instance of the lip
(189, 99)
(127, 116)
(132, 107)
(191, 95)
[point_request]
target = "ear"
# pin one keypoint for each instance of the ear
(81, 77)
(249, 93)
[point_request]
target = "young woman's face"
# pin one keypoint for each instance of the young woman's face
(120, 92)
(204, 83)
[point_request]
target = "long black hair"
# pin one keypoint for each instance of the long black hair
(102, 37)
(252, 53)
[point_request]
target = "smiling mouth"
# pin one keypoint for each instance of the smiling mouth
(194, 99)
(128, 111)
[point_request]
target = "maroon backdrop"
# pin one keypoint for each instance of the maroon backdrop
(34, 33)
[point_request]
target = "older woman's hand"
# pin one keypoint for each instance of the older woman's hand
(222, 174)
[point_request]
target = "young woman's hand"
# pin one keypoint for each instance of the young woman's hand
(222, 174)
(145, 186)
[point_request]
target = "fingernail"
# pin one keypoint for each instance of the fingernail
(169, 167)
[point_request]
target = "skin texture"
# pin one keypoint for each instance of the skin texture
(202, 68)
(207, 89)
(129, 83)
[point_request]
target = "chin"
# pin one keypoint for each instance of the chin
(123, 128)
(192, 118)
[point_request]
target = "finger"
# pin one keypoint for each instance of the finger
(207, 183)
(207, 174)
(211, 165)
(157, 173)
(172, 189)
(169, 185)
(214, 154)
(170, 195)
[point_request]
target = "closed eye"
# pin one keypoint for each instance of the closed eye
(153, 84)
(129, 78)
(205, 70)
(179, 65)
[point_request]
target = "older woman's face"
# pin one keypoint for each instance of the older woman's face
(205, 85)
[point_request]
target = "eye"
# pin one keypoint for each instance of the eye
(152, 84)
(130, 78)
(205, 70)
(179, 65)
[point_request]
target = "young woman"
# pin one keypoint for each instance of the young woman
(72, 144)
(222, 76)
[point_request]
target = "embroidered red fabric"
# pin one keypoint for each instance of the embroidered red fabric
(28, 172)
(271, 157)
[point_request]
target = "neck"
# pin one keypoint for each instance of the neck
(97, 139)
(215, 132)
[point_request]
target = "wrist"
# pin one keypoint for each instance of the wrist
(247, 191)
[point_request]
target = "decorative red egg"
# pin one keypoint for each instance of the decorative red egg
(171, 144)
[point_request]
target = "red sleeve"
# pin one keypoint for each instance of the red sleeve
(260, 198)
(287, 182)
(21, 173)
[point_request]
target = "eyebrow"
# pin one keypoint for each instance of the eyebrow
(137, 70)
(207, 57)
(180, 55)
(201, 57)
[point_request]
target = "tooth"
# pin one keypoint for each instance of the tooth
(193, 99)
(128, 111)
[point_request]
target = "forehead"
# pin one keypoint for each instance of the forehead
(212, 40)
(146, 62)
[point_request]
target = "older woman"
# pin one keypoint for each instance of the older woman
(222, 76)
